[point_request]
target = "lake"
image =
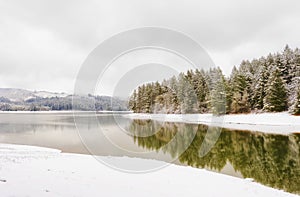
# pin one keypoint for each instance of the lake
(270, 159)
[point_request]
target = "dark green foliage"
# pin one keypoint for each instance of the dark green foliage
(297, 103)
(218, 96)
(263, 76)
(240, 88)
(201, 90)
(276, 94)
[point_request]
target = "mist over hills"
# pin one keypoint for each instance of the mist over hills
(13, 99)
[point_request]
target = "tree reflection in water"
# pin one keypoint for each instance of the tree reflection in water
(270, 159)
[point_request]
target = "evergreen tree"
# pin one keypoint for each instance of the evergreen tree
(218, 94)
(240, 86)
(181, 90)
(240, 95)
(189, 104)
(139, 103)
(132, 101)
(229, 96)
(276, 94)
(296, 66)
(147, 97)
(297, 103)
(201, 90)
(287, 62)
(229, 88)
(260, 89)
(174, 96)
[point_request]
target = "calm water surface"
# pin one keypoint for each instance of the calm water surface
(270, 159)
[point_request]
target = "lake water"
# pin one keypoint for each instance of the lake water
(270, 159)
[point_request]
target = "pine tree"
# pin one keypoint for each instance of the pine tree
(173, 91)
(147, 98)
(240, 86)
(218, 94)
(132, 101)
(296, 66)
(139, 100)
(181, 90)
(230, 90)
(276, 94)
(201, 90)
(260, 89)
(297, 103)
(229, 95)
(189, 75)
(287, 61)
(189, 104)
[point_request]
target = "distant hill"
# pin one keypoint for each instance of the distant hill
(14, 94)
(12, 99)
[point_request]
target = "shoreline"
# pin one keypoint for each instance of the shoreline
(276, 123)
(38, 171)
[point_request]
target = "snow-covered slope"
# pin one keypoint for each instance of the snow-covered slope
(15, 94)
(22, 95)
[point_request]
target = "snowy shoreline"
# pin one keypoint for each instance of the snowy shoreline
(35, 171)
(277, 123)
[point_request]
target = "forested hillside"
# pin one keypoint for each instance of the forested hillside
(25, 100)
(270, 84)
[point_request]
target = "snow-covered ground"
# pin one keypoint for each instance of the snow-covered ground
(282, 123)
(34, 171)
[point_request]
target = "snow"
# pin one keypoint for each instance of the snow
(45, 94)
(280, 123)
(22, 95)
(33, 171)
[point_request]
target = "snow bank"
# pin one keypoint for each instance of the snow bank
(281, 123)
(46, 172)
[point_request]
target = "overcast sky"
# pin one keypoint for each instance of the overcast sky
(44, 42)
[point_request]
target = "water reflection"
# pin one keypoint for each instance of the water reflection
(270, 159)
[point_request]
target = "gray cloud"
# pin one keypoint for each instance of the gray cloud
(43, 43)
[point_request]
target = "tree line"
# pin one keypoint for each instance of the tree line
(270, 84)
(83, 103)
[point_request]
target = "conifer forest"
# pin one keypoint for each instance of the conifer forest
(268, 84)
